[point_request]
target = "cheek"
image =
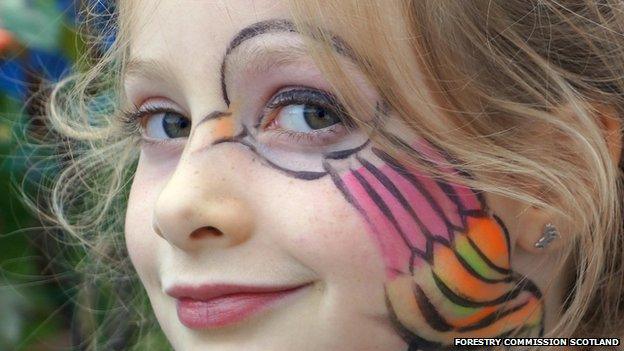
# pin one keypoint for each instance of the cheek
(312, 221)
(337, 237)
(314, 224)
(446, 255)
(141, 241)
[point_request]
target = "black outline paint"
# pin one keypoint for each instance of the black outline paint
(240, 139)
(517, 284)
(279, 26)
(256, 29)
(213, 116)
(357, 155)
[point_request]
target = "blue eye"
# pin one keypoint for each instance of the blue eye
(167, 125)
(305, 118)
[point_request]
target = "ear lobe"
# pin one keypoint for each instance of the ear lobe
(540, 233)
(533, 221)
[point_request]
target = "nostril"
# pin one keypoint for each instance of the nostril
(206, 232)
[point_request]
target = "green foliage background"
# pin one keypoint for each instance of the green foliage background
(45, 303)
(38, 44)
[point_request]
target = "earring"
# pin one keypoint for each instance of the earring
(549, 234)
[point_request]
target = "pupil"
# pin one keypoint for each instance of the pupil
(175, 126)
(318, 117)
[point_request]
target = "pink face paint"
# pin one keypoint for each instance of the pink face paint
(396, 253)
(442, 288)
(446, 257)
(439, 243)
(406, 223)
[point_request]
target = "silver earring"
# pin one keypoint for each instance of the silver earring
(549, 234)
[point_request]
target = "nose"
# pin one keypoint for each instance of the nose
(199, 207)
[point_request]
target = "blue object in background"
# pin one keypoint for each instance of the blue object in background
(69, 9)
(50, 66)
(14, 72)
(12, 79)
(37, 26)
(104, 22)
(40, 26)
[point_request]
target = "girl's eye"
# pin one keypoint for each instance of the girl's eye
(167, 125)
(305, 118)
(310, 116)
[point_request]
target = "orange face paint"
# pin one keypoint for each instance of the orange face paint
(487, 236)
(223, 128)
(457, 277)
(446, 256)
(439, 288)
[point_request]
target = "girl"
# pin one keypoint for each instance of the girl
(354, 175)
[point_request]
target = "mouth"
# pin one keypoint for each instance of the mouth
(213, 306)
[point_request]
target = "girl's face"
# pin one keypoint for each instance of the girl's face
(260, 218)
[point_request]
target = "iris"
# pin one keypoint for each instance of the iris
(318, 118)
(175, 125)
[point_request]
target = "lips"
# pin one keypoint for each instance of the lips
(220, 305)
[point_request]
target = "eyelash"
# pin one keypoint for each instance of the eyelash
(132, 120)
(299, 95)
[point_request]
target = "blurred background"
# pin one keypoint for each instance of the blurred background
(38, 45)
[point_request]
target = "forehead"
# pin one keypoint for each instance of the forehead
(181, 21)
(187, 40)
(184, 30)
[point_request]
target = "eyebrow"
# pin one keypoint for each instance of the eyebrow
(149, 69)
(276, 26)
(262, 57)
(259, 28)
(254, 30)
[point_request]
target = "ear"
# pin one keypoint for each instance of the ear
(535, 220)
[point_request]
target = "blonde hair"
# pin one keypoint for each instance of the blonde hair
(515, 86)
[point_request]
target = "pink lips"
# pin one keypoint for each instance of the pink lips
(220, 305)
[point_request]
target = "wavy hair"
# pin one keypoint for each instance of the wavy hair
(515, 88)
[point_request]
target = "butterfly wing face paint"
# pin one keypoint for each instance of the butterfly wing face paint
(447, 258)
(302, 165)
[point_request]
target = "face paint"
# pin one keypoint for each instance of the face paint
(223, 128)
(447, 258)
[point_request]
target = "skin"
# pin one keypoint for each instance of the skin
(238, 203)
